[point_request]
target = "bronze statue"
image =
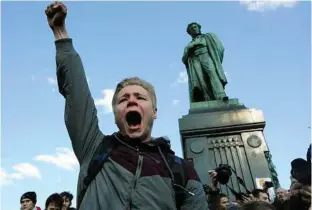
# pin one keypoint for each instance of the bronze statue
(203, 58)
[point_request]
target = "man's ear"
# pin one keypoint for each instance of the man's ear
(155, 113)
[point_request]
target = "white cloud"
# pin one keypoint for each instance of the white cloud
(263, 6)
(175, 102)
(106, 101)
(27, 170)
(182, 78)
(5, 178)
(64, 158)
(22, 171)
(228, 76)
(51, 81)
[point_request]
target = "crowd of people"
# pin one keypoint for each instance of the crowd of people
(297, 197)
(56, 201)
(130, 169)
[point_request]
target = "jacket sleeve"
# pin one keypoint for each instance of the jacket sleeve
(198, 200)
(80, 111)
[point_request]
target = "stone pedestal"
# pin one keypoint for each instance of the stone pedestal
(219, 132)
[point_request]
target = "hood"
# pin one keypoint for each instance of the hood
(162, 142)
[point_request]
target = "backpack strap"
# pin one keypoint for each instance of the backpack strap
(100, 156)
(177, 167)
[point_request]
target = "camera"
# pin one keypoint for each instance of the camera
(223, 173)
(301, 169)
(268, 184)
(239, 196)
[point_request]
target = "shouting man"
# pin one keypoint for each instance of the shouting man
(128, 169)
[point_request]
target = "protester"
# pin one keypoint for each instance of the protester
(138, 173)
(54, 202)
(224, 200)
(28, 201)
(281, 198)
(257, 205)
(260, 195)
(67, 200)
(281, 194)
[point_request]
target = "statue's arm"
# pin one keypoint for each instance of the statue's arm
(185, 56)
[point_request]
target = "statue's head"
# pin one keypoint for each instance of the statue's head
(134, 106)
(193, 29)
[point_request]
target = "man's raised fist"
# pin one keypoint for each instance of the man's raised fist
(56, 14)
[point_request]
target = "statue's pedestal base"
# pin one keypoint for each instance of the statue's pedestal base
(225, 132)
(212, 106)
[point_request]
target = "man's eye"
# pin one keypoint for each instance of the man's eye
(141, 98)
(122, 100)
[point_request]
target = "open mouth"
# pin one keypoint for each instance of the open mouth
(134, 119)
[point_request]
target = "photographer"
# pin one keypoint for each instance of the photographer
(215, 200)
(300, 188)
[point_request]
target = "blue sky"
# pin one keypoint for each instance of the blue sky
(267, 60)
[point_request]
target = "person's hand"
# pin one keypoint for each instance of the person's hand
(305, 193)
(213, 176)
(295, 188)
(246, 199)
(56, 14)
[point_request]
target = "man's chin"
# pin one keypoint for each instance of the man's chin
(135, 133)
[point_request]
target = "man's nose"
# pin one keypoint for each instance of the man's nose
(132, 101)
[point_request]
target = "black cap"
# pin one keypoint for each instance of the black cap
(29, 195)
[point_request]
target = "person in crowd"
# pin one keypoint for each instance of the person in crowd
(67, 200)
(54, 202)
(281, 194)
(257, 205)
(137, 174)
(224, 200)
(28, 201)
(300, 189)
(300, 196)
(281, 198)
(260, 195)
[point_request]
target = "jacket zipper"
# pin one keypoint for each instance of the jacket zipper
(138, 169)
(137, 149)
(136, 176)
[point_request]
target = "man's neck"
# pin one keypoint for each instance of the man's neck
(144, 139)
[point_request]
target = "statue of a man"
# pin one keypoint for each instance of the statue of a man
(203, 60)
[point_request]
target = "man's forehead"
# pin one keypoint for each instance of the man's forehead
(132, 89)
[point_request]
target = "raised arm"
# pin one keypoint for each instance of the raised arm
(185, 56)
(80, 112)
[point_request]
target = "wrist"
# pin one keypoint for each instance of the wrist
(215, 188)
(60, 33)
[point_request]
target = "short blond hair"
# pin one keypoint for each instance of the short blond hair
(135, 81)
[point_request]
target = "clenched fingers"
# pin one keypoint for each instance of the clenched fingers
(54, 8)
